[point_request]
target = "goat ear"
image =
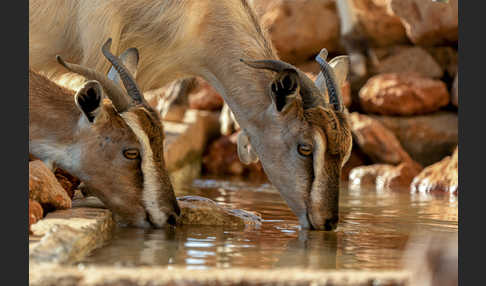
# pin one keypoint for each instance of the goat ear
(89, 98)
(245, 152)
(340, 66)
(129, 58)
(285, 88)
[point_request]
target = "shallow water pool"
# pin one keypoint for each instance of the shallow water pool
(373, 231)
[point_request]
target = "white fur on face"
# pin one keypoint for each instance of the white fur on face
(151, 182)
(67, 157)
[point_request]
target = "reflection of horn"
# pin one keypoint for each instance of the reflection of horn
(334, 91)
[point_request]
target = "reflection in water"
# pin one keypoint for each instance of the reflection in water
(373, 231)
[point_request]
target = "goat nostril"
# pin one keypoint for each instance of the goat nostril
(330, 224)
(177, 209)
(172, 220)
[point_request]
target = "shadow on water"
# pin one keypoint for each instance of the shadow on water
(373, 232)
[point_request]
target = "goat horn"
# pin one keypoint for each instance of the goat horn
(127, 79)
(113, 91)
(334, 92)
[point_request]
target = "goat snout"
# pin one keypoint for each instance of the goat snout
(331, 224)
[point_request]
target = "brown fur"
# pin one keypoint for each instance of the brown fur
(94, 151)
(192, 38)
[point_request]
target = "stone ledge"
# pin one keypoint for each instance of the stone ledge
(161, 276)
(67, 236)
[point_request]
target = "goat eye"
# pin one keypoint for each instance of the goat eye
(304, 149)
(131, 154)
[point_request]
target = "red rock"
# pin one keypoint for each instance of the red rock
(385, 176)
(222, 158)
(376, 141)
(446, 57)
(35, 212)
(299, 29)
(455, 91)
(45, 189)
(356, 159)
(406, 59)
(205, 97)
(381, 27)
(428, 22)
(403, 94)
(426, 138)
(67, 181)
(439, 177)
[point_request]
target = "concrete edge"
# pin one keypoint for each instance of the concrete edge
(69, 235)
(101, 275)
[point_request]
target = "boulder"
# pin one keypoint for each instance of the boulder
(172, 101)
(405, 59)
(222, 158)
(205, 97)
(427, 22)
(35, 212)
(384, 176)
(299, 29)
(203, 211)
(381, 27)
(356, 159)
(403, 94)
(439, 177)
(68, 182)
(446, 57)
(455, 91)
(45, 189)
(376, 141)
(426, 138)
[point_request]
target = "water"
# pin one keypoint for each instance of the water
(373, 232)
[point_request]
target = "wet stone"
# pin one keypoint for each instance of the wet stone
(203, 211)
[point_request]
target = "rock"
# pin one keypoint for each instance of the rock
(68, 182)
(376, 141)
(35, 212)
(405, 59)
(222, 158)
(356, 159)
(455, 91)
(299, 29)
(428, 22)
(381, 27)
(426, 138)
(384, 176)
(172, 101)
(45, 189)
(205, 97)
(446, 57)
(69, 235)
(186, 142)
(439, 177)
(403, 94)
(203, 211)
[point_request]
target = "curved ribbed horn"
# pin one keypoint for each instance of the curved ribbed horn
(127, 79)
(114, 92)
(333, 90)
